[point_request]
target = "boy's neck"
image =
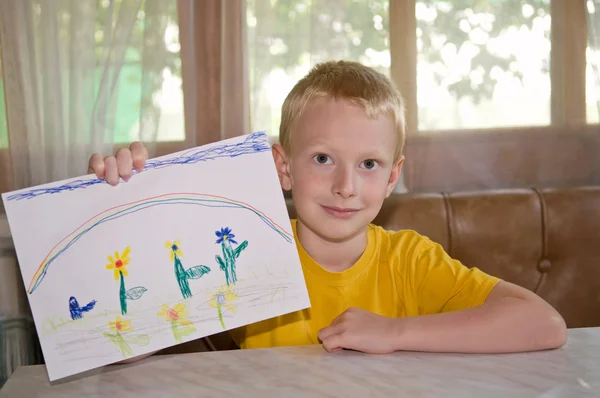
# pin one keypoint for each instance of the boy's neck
(332, 256)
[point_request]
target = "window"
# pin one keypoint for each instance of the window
(592, 89)
(592, 80)
(287, 37)
(168, 99)
(3, 122)
(470, 73)
(479, 64)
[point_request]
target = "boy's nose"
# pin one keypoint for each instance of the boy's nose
(345, 183)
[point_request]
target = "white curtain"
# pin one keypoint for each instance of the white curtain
(80, 76)
(63, 78)
(593, 23)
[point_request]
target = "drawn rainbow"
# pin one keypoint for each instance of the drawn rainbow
(133, 207)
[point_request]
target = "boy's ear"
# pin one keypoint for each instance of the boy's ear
(394, 176)
(282, 164)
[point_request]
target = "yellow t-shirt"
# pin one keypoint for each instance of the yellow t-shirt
(399, 274)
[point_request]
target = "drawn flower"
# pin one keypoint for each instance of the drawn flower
(177, 317)
(174, 248)
(176, 314)
(119, 262)
(223, 298)
(120, 325)
(225, 235)
(124, 341)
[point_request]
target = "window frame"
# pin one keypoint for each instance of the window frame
(568, 41)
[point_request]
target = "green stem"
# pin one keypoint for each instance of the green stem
(174, 329)
(229, 258)
(220, 312)
(123, 295)
(123, 346)
(182, 278)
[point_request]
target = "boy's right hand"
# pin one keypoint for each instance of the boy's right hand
(111, 168)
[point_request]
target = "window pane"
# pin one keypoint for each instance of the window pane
(3, 123)
(168, 98)
(592, 80)
(483, 64)
(287, 37)
(592, 88)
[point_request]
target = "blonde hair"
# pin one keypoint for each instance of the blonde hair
(352, 81)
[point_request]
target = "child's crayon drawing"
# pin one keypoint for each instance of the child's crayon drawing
(230, 255)
(118, 264)
(78, 311)
(198, 242)
(120, 334)
(177, 317)
(181, 274)
(223, 300)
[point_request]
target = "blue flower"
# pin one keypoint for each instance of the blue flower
(225, 234)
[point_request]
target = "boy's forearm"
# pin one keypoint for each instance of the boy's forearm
(508, 324)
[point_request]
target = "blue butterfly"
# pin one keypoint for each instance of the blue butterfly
(76, 310)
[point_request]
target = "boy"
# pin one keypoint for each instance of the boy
(375, 291)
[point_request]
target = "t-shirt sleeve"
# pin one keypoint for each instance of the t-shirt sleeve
(443, 284)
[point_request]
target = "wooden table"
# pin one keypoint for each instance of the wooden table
(571, 371)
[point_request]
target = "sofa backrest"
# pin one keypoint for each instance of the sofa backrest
(546, 240)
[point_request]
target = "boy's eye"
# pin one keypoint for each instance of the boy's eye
(322, 159)
(370, 164)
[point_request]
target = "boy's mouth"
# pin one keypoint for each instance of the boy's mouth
(339, 212)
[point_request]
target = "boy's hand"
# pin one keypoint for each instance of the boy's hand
(360, 330)
(111, 168)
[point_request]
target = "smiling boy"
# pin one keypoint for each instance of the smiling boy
(340, 153)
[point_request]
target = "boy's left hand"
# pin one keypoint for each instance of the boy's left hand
(360, 330)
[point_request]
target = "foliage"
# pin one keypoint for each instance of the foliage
(283, 33)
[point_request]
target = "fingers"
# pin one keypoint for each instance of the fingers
(96, 166)
(139, 153)
(329, 331)
(124, 163)
(111, 173)
(333, 343)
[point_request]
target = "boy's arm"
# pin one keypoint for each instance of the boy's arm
(512, 319)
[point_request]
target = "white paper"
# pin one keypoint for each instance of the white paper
(69, 234)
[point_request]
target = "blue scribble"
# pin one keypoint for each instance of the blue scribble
(77, 311)
(254, 143)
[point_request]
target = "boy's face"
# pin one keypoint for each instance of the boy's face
(340, 169)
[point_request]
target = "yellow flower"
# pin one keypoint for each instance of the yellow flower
(223, 298)
(175, 314)
(119, 262)
(120, 326)
(174, 248)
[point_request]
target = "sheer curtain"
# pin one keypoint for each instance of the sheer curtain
(64, 64)
(593, 24)
(62, 79)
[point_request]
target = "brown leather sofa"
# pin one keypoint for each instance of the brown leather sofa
(546, 240)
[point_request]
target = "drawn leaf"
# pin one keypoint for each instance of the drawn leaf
(112, 337)
(135, 292)
(197, 271)
(221, 263)
(137, 339)
(185, 331)
(239, 249)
